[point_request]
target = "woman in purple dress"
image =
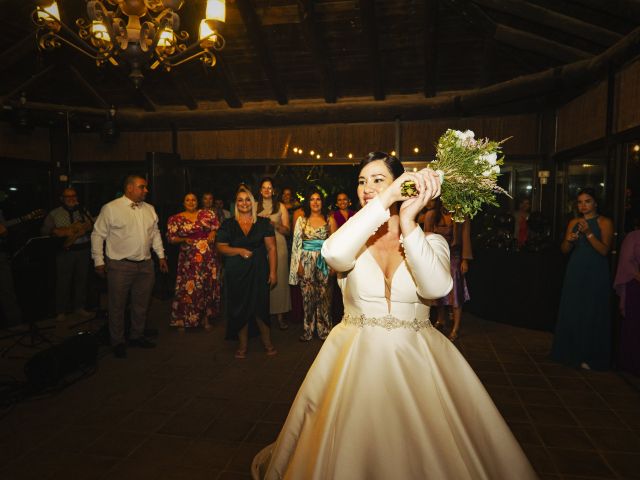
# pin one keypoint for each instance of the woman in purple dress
(458, 236)
(195, 303)
(342, 212)
(627, 285)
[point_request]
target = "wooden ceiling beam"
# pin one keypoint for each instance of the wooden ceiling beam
(368, 18)
(89, 88)
(17, 51)
(551, 19)
(528, 91)
(183, 90)
(625, 9)
(317, 46)
(24, 86)
(259, 42)
(222, 77)
(144, 100)
(430, 47)
(514, 37)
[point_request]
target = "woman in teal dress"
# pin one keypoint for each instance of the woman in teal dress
(308, 269)
(583, 330)
(247, 243)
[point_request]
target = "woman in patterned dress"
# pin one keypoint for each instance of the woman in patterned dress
(308, 268)
(458, 236)
(194, 304)
(269, 207)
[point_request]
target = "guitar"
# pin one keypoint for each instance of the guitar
(34, 215)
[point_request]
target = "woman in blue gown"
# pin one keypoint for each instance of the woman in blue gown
(583, 330)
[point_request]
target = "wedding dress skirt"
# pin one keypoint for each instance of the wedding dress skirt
(388, 396)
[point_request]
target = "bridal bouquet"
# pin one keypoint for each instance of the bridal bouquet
(468, 169)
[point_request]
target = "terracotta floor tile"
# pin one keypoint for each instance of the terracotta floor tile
(547, 415)
(626, 465)
(536, 396)
(604, 418)
(615, 440)
(579, 462)
(561, 436)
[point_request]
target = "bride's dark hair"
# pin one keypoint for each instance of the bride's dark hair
(394, 165)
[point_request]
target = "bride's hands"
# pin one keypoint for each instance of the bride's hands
(428, 188)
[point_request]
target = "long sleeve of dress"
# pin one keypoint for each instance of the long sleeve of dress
(341, 248)
(428, 260)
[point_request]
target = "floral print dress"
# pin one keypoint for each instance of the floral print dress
(197, 295)
(314, 282)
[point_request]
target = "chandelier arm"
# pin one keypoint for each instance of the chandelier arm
(185, 60)
(190, 51)
(93, 54)
(77, 39)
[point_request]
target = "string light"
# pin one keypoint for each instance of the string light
(300, 151)
(312, 153)
(636, 148)
(295, 149)
(393, 153)
(318, 156)
(330, 154)
(416, 150)
(350, 155)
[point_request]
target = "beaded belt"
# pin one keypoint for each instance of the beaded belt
(388, 321)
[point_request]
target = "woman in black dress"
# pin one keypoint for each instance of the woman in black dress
(248, 245)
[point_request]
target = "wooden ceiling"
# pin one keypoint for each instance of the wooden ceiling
(333, 56)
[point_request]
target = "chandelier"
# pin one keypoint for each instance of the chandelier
(143, 34)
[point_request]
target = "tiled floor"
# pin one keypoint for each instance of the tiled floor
(189, 410)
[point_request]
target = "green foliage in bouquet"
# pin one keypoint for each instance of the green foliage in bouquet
(469, 170)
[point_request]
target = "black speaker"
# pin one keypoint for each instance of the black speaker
(49, 367)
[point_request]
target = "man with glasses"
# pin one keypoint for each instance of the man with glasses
(74, 224)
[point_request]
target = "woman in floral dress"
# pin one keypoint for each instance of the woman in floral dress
(308, 268)
(195, 303)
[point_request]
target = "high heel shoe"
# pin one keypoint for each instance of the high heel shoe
(241, 354)
(453, 336)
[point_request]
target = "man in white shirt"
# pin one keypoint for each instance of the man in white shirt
(129, 228)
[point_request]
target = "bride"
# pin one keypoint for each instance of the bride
(388, 396)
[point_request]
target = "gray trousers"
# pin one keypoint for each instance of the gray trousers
(123, 278)
(8, 300)
(72, 270)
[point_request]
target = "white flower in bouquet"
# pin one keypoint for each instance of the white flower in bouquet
(469, 170)
(490, 158)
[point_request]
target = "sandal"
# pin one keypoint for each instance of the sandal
(241, 354)
(271, 351)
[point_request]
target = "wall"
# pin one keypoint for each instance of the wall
(279, 143)
(583, 119)
(627, 98)
(31, 146)
(130, 146)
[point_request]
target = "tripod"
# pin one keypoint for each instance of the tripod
(30, 261)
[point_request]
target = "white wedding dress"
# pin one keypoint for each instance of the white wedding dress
(389, 396)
